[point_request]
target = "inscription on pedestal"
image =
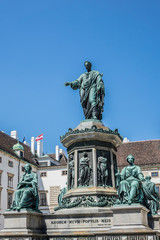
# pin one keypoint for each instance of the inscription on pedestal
(87, 222)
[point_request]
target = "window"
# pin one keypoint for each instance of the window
(10, 163)
(10, 198)
(154, 174)
(21, 154)
(64, 172)
(157, 188)
(43, 199)
(0, 178)
(43, 164)
(53, 196)
(22, 169)
(10, 181)
(43, 174)
(0, 198)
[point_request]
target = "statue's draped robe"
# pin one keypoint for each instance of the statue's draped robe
(91, 89)
(151, 196)
(26, 196)
(102, 171)
(130, 185)
(71, 175)
(85, 171)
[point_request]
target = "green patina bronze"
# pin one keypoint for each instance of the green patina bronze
(87, 201)
(60, 196)
(130, 187)
(102, 171)
(85, 171)
(151, 195)
(92, 129)
(92, 92)
(117, 179)
(26, 195)
(18, 146)
(71, 172)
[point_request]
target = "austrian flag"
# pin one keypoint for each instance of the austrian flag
(40, 137)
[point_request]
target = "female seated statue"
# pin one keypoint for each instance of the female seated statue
(130, 187)
(26, 195)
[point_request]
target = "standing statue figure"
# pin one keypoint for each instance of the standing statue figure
(26, 195)
(91, 89)
(71, 172)
(85, 171)
(151, 195)
(102, 171)
(130, 187)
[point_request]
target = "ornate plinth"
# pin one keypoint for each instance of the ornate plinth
(95, 223)
(130, 217)
(22, 223)
(92, 164)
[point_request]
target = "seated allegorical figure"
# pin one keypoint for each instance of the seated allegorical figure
(130, 187)
(151, 195)
(26, 195)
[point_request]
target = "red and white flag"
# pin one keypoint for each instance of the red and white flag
(40, 137)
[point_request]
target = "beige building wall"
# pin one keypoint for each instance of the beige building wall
(51, 180)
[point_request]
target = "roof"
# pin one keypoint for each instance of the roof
(52, 155)
(145, 153)
(62, 158)
(18, 146)
(6, 144)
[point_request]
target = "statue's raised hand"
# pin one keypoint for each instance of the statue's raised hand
(67, 84)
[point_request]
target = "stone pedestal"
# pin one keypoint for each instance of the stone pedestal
(22, 223)
(130, 217)
(154, 222)
(94, 223)
(93, 138)
(79, 222)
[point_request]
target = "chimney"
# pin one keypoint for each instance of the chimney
(14, 134)
(39, 148)
(26, 143)
(61, 151)
(57, 153)
(33, 145)
(41, 152)
(125, 140)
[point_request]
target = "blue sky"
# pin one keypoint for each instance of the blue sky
(45, 43)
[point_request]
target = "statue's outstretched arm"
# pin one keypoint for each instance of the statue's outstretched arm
(74, 84)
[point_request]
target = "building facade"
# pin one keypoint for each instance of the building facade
(52, 177)
(51, 170)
